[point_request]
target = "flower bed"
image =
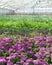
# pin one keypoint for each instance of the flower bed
(26, 51)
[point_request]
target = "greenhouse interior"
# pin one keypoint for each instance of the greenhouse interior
(25, 32)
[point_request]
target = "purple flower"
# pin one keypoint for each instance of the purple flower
(9, 62)
(3, 61)
(49, 40)
(25, 51)
(42, 49)
(40, 62)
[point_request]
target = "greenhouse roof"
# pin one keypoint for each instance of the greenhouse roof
(16, 4)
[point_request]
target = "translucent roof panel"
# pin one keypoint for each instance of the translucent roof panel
(22, 4)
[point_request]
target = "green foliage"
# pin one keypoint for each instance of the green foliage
(31, 63)
(15, 60)
(48, 60)
(25, 22)
(1, 54)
